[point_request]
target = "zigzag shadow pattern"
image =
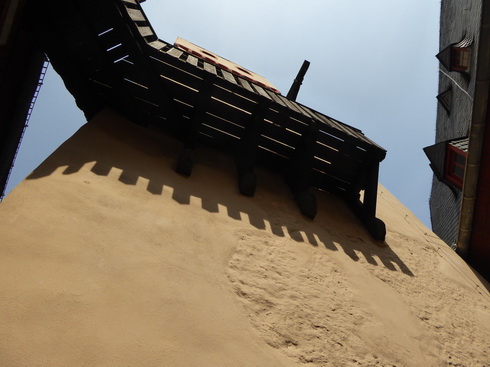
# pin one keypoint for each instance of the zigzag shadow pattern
(111, 143)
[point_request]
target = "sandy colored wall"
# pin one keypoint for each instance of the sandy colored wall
(109, 258)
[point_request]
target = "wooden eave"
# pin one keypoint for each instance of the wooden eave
(108, 54)
(158, 84)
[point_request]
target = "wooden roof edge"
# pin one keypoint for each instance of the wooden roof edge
(308, 113)
(348, 130)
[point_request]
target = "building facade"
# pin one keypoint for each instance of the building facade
(456, 156)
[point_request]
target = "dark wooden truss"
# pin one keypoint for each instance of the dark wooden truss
(108, 54)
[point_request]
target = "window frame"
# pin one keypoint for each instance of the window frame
(450, 165)
(458, 54)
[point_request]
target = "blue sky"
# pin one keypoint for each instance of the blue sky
(372, 67)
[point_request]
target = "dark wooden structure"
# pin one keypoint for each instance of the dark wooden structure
(21, 64)
(108, 54)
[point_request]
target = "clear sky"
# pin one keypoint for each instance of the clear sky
(372, 67)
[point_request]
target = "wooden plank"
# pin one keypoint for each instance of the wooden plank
(331, 140)
(227, 112)
(157, 44)
(118, 52)
(233, 98)
(109, 39)
(177, 74)
(279, 133)
(274, 145)
(275, 98)
(304, 110)
(350, 151)
(329, 183)
(210, 68)
(223, 125)
(342, 177)
(284, 122)
(289, 103)
(192, 60)
(261, 91)
(175, 52)
(130, 2)
(222, 138)
(228, 76)
(136, 15)
(337, 158)
(325, 120)
(145, 31)
(245, 84)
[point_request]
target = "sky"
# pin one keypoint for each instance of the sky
(373, 66)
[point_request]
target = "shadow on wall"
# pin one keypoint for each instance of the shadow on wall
(113, 142)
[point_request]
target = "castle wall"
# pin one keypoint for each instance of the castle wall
(110, 258)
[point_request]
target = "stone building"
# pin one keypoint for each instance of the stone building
(459, 192)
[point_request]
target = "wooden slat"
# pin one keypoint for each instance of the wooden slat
(130, 2)
(289, 103)
(177, 74)
(109, 39)
(305, 111)
(245, 84)
(192, 60)
(228, 76)
(221, 136)
(333, 170)
(298, 108)
(227, 112)
(175, 52)
(274, 145)
(283, 120)
(279, 133)
(210, 68)
(136, 15)
(338, 158)
(261, 91)
(234, 98)
(275, 98)
(117, 53)
(329, 183)
(325, 120)
(157, 44)
(145, 31)
(223, 125)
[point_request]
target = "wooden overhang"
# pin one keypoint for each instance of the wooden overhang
(108, 54)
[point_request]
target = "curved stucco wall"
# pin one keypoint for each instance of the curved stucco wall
(109, 258)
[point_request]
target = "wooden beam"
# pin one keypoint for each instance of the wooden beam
(247, 150)
(185, 162)
(299, 173)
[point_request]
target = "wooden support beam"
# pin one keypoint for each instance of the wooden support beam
(246, 153)
(299, 173)
(366, 210)
(185, 162)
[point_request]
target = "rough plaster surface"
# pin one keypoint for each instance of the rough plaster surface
(109, 258)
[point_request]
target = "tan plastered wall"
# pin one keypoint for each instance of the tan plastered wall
(109, 258)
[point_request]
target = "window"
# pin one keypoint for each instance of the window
(457, 56)
(455, 165)
(460, 58)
